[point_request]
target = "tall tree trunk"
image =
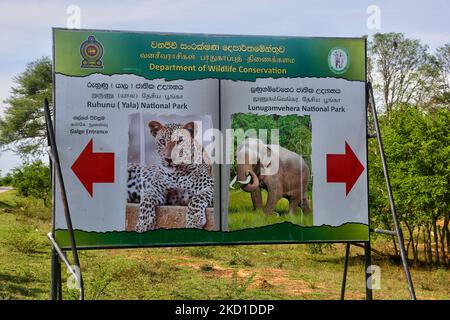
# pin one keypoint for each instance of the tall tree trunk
(447, 232)
(395, 247)
(425, 252)
(445, 235)
(411, 238)
(416, 251)
(441, 231)
(430, 251)
(436, 241)
(387, 226)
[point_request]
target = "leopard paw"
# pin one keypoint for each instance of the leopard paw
(142, 227)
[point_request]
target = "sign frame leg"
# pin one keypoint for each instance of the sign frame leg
(344, 275)
(55, 281)
(75, 269)
(398, 231)
(367, 269)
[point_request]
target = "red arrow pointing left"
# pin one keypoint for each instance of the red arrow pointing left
(94, 167)
(344, 168)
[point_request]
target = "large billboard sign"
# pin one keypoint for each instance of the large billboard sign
(177, 139)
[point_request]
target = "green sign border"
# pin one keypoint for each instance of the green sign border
(67, 59)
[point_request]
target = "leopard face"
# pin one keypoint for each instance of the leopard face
(176, 144)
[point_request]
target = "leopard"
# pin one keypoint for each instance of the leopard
(183, 177)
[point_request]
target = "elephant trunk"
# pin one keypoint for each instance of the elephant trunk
(246, 185)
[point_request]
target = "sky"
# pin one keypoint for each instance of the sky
(25, 25)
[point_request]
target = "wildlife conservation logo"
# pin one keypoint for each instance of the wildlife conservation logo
(338, 60)
(92, 51)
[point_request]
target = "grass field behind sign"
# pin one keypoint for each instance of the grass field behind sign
(213, 272)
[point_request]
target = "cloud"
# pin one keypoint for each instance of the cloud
(8, 161)
(433, 39)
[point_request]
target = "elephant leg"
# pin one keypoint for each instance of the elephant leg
(293, 204)
(304, 204)
(257, 199)
(272, 200)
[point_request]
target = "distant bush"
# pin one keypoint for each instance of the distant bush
(34, 208)
(6, 180)
(240, 260)
(202, 252)
(33, 180)
(238, 288)
(24, 239)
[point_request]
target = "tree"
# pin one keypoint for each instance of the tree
(22, 128)
(33, 180)
(6, 180)
(443, 58)
(417, 147)
(401, 70)
(442, 99)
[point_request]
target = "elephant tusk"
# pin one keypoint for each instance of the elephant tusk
(246, 181)
(233, 182)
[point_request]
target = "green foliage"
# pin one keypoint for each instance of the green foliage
(202, 252)
(318, 248)
(24, 207)
(33, 180)
(24, 239)
(240, 260)
(237, 288)
(417, 148)
(36, 208)
(22, 128)
(6, 180)
(281, 271)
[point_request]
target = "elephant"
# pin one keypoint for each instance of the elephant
(288, 177)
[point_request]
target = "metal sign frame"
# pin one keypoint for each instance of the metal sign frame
(59, 255)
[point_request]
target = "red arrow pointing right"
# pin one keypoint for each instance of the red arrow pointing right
(344, 168)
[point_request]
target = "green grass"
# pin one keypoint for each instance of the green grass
(213, 272)
(242, 216)
(9, 200)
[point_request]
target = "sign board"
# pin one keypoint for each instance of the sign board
(177, 139)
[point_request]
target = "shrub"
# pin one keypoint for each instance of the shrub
(33, 180)
(239, 259)
(202, 252)
(24, 239)
(6, 180)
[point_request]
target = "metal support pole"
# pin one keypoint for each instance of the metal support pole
(57, 165)
(367, 265)
(55, 280)
(60, 295)
(344, 276)
(398, 230)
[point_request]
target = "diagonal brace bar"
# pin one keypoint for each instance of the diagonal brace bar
(53, 152)
(398, 231)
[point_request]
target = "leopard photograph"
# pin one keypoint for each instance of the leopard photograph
(179, 174)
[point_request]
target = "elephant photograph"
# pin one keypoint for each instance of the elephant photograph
(270, 181)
